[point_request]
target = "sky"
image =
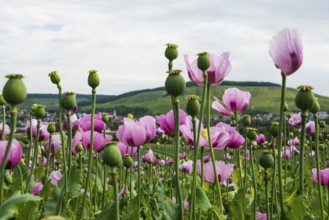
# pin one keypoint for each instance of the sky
(125, 40)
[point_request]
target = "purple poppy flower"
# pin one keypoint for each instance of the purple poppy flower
(148, 123)
(219, 137)
(310, 127)
(149, 156)
(324, 176)
(236, 139)
(7, 129)
(227, 156)
(182, 156)
(160, 132)
(99, 125)
(224, 171)
(14, 156)
(131, 133)
(124, 192)
(260, 139)
(98, 141)
(206, 159)
(124, 149)
(235, 100)
(38, 186)
(187, 132)
(261, 216)
(167, 124)
(169, 161)
(76, 139)
(286, 50)
(186, 167)
(286, 154)
(43, 135)
(218, 70)
(55, 143)
(185, 203)
(295, 119)
(55, 177)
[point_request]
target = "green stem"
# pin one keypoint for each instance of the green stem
(90, 150)
(316, 122)
(30, 141)
(212, 155)
(273, 192)
(283, 92)
(138, 182)
(69, 143)
(3, 122)
(253, 181)
(284, 121)
(266, 194)
(95, 185)
(104, 183)
(20, 178)
(302, 150)
(35, 151)
(48, 159)
(13, 117)
(176, 143)
(245, 161)
(237, 152)
(116, 195)
(202, 166)
(192, 211)
(126, 180)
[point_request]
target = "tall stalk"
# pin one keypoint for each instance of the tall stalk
(237, 152)
(283, 92)
(69, 143)
(48, 160)
(195, 151)
(253, 181)
(90, 150)
(302, 152)
(317, 156)
(176, 143)
(138, 181)
(13, 117)
(3, 122)
(116, 195)
(212, 155)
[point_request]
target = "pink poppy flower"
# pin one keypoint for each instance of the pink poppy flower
(218, 70)
(14, 156)
(186, 167)
(185, 203)
(324, 176)
(166, 121)
(286, 50)
(295, 119)
(260, 139)
(224, 171)
(124, 149)
(38, 186)
(55, 177)
(310, 127)
(235, 100)
(235, 139)
(55, 143)
(99, 125)
(99, 141)
(261, 216)
(7, 129)
(149, 156)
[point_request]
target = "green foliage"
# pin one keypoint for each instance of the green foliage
(14, 204)
(239, 208)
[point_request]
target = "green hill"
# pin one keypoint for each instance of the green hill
(265, 97)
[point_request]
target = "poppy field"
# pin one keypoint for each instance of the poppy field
(177, 165)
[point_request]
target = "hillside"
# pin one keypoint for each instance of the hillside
(265, 97)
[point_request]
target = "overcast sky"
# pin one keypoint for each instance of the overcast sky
(125, 40)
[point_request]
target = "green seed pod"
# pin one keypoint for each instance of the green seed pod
(291, 135)
(305, 98)
(111, 155)
(8, 179)
(51, 127)
(93, 79)
(150, 160)
(105, 118)
(2, 100)
(40, 111)
(266, 160)
(128, 161)
(69, 101)
(175, 83)
(79, 147)
(274, 130)
(14, 91)
(246, 120)
(171, 52)
(322, 147)
(251, 134)
(203, 61)
(289, 115)
(322, 124)
(316, 106)
(54, 77)
(193, 105)
(285, 106)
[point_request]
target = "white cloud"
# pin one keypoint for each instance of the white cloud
(124, 40)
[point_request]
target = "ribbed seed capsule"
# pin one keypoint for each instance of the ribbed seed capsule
(305, 98)
(14, 91)
(171, 52)
(193, 105)
(175, 83)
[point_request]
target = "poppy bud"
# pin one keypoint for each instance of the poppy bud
(51, 127)
(14, 91)
(111, 155)
(40, 111)
(128, 161)
(171, 52)
(8, 179)
(266, 160)
(322, 124)
(203, 61)
(93, 79)
(105, 118)
(54, 77)
(316, 107)
(175, 83)
(79, 147)
(285, 106)
(251, 134)
(305, 98)
(274, 130)
(246, 120)
(130, 116)
(193, 105)
(69, 101)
